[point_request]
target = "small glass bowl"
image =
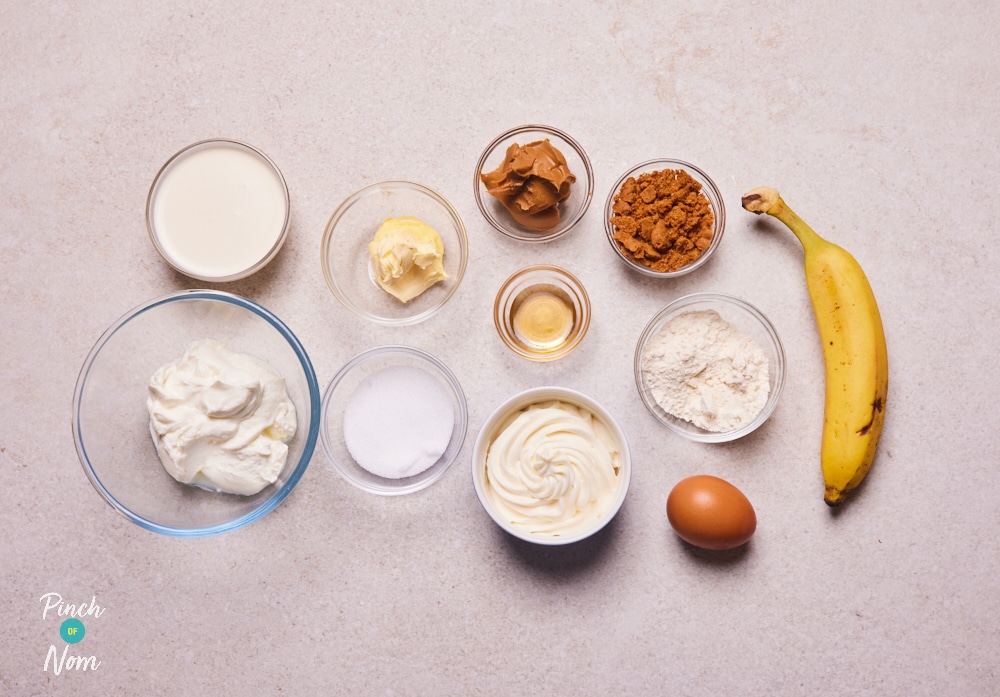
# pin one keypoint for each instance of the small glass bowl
(492, 427)
(571, 210)
(708, 188)
(244, 177)
(347, 264)
(111, 421)
(746, 319)
(550, 281)
(338, 396)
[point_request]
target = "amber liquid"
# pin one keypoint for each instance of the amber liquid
(543, 319)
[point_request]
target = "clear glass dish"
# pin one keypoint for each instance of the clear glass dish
(111, 421)
(553, 286)
(708, 188)
(746, 319)
(347, 264)
(571, 210)
(337, 399)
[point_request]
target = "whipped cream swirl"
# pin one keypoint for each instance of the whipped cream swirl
(554, 469)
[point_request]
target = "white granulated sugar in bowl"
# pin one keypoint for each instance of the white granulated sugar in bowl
(398, 422)
(701, 369)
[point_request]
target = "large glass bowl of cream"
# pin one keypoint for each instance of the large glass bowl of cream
(196, 413)
(551, 466)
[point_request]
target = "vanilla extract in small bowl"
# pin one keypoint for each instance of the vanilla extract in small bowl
(543, 318)
(542, 312)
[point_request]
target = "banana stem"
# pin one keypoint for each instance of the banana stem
(767, 200)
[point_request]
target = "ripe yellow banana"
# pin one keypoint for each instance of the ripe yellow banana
(857, 365)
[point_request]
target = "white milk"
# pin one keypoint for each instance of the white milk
(218, 210)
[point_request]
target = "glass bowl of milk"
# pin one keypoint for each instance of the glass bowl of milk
(113, 428)
(218, 210)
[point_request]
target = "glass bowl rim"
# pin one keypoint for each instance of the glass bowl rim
(313, 399)
(571, 280)
(461, 418)
(541, 237)
(702, 436)
(719, 226)
(346, 205)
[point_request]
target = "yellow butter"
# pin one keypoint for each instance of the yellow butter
(407, 257)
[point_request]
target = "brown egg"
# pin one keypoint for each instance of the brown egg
(710, 513)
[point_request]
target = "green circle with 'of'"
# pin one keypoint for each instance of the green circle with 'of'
(72, 631)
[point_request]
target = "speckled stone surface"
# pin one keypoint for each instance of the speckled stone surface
(876, 121)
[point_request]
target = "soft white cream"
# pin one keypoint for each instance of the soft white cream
(218, 210)
(553, 469)
(220, 419)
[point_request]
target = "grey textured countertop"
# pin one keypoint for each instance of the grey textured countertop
(876, 121)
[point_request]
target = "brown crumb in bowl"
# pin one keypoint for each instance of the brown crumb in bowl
(662, 220)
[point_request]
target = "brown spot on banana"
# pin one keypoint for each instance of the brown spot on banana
(876, 407)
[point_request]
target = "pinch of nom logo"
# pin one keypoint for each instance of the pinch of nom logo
(71, 632)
